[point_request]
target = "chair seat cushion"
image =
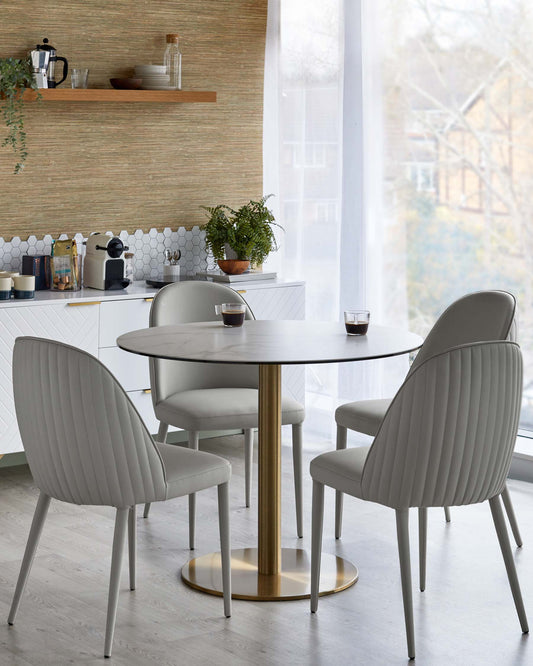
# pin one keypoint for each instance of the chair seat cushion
(188, 471)
(220, 409)
(363, 416)
(341, 470)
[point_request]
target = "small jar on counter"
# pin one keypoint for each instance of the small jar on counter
(128, 266)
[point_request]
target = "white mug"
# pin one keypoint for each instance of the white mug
(5, 287)
(24, 286)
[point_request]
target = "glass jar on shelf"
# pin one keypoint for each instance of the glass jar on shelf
(172, 61)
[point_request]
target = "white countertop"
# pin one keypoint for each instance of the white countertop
(138, 289)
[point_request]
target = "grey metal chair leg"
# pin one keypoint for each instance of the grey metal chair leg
(194, 436)
(447, 514)
(298, 480)
(36, 528)
(225, 547)
(316, 541)
(422, 544)
(119, 538)
(402, 530)
(503, 538)
(161, 437)
(511, 516)
(248, 463)
(342, 434)
(132, 544)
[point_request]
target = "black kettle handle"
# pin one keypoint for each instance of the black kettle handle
(65, 69)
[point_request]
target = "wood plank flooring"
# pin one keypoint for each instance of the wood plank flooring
(466, 615)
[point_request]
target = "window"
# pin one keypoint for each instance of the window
(456, 95)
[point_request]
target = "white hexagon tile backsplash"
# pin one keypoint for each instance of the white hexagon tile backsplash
(148, 249)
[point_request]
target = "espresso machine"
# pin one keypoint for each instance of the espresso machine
(104, 265)
(44, 67)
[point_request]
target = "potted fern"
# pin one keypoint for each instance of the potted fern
(15, 75)
(239, 237)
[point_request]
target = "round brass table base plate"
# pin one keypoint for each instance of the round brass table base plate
(203, 573)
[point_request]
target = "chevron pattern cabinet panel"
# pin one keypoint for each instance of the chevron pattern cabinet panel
(74, 325)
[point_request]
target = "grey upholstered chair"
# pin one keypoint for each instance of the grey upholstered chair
(92, 447)
(446, 440)
(484, 315)
(212, 396)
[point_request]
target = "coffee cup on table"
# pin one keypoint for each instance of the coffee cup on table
(232, 313)
(356, 321)
(24, 286)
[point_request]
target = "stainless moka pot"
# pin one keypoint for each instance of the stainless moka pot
(52, 59)
(39, 63)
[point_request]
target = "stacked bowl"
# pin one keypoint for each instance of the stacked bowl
(154, 77)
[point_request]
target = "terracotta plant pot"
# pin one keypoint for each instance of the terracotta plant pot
(233, 266)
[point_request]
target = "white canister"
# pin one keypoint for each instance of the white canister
(171, 271)
(24, 286)
(5, 287)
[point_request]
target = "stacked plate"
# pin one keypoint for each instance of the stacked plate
(154, 77)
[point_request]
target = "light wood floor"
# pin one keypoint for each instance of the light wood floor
(466, 616)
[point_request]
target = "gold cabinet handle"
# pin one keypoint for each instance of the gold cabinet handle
(241, 291)
(147, 390)
(76, 305)
(148, 300)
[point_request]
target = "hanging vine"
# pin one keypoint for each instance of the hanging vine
(15, 75)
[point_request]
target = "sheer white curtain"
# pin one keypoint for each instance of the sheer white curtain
(323, 161)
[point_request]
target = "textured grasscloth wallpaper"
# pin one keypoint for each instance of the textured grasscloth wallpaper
(95, 166)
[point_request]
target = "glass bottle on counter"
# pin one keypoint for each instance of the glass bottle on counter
(128, 266)
(173, 61)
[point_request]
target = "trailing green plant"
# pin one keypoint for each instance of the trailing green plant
(248, 230)
(15, 75)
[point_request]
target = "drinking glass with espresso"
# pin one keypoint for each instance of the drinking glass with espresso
(232, 313)
(356, 321)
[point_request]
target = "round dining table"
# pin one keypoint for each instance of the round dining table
(269, 572)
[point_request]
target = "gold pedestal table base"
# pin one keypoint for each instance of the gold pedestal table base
(293, 582)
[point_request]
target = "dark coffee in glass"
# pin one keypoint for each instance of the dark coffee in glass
(232, 314)
(356, 329)
(232, 318)
(356, 321)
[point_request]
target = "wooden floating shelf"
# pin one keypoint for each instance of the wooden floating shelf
(112, 95)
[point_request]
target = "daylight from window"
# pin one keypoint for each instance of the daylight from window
(458, 171)
(451, 102)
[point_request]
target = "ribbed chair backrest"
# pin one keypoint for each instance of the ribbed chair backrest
(449, 433)
(187, 302)
(84, 440)
(482, 315)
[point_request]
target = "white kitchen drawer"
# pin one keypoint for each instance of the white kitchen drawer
(131, 370)
(118, 317)
(143, 403)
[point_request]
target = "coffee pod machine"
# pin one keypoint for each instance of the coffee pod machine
(104, 266)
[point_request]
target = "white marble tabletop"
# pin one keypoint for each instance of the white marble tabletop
(268, 342)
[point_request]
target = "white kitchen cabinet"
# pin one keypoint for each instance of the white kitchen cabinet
(92, 320)
(118, 317)
(74, 324)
